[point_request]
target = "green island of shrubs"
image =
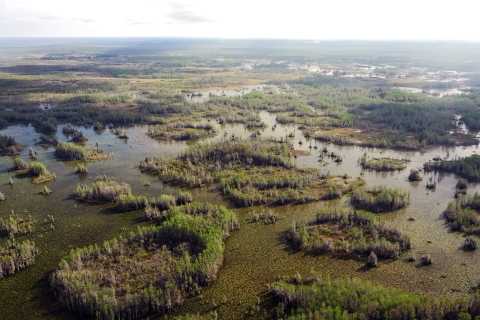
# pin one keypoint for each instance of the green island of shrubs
(182, 131)
(322, 298)
(16, 256)
(383, 164)
(463, 214)
(70, 151)
(467, 167)
(152, 270)
(102, 191)
(250, 172)
(348, 232)
(35, 169)
(380, 199)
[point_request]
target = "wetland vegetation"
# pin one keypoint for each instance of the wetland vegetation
(278, 132)
(349, 232)
(152, 270)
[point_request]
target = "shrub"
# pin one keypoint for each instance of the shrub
(102, 191)
(380, 199)
(16, 256)
(36, 168)
(414, 175)
(70, 151)
(19, 164)
(470, 243)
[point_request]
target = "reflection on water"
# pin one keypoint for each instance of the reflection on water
(255, 255)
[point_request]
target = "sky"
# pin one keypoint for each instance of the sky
(299, 19)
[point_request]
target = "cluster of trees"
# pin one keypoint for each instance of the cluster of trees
(380, 198)
(346, 232)
(382, 164)
(49, 140)
(152, 270)
(322, 298)
(467, 167)
(102, 191)
(15, 256)
(77, 135)
(6, 141)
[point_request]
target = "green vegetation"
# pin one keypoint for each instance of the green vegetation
(16, 256)
(249, 172)
(81, 168)
(70, 151)
(36, 169)
(46, 190)
(468, 167)
(380, 199)
(129, 202)
(181, 131)
(463, 214)
(152, 270)
(317, 298)
(16, 226)
(383, 164)
(345, 233)
(102, 191)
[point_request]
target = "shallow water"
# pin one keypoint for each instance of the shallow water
(255, 255)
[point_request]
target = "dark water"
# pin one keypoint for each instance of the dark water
(255, 255)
